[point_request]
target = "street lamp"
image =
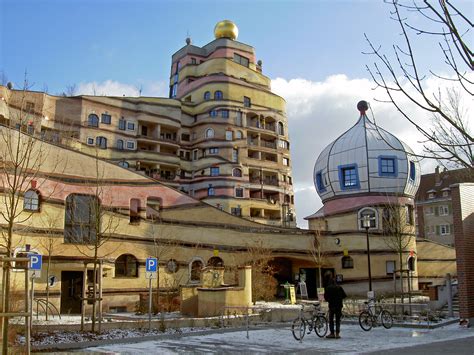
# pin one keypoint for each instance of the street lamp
(366, 224)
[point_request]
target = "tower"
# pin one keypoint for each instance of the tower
(237, 129)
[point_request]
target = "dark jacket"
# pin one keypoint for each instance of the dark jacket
(334, 294)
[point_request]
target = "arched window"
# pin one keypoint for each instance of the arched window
(237, 172)
(211, 191)
(124, 164)
(80, 219)
(371, 213)
(195, 267)
(93, 120)
(238, 135)
(31, 201)
(215, 261)
(101, 142)
(347, 262)
(126, 265)
(411, 263)
(120, 144)
(209, 133)
(218, 95)
(207, 95)
(281, 129)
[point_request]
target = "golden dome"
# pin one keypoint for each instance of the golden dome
(226, 29)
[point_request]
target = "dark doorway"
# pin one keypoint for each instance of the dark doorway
(311, 276)
(281, 268)
(71, 292)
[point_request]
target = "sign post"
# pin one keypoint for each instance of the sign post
(36, 261)
(151, 268)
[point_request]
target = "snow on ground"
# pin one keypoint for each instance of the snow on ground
(354, 341)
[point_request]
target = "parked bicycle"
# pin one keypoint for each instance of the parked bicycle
(373, 316)
(318, 322)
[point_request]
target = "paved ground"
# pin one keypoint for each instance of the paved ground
(446, 340)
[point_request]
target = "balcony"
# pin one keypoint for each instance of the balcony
(264, 181)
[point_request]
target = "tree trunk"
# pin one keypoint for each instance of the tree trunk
(6, 306)
(47, 285)
(94, 298)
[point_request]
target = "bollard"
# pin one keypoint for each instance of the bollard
(450, 295)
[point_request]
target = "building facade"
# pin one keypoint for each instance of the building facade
(434, 210)
(221, 137)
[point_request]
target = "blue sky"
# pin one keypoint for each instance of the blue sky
(312, 51)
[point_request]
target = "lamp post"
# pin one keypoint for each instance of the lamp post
(366, 225)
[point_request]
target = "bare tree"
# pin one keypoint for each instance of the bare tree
(404, 77)
(398, 232)
(71, 90)
(3, 78)
(22, 156)
(317, 254)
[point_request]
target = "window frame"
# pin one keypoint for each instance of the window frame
(342, 181)
(130, 124)
(93, 120)
(247, 101)
(213, 113)
(207, 96)
(126, 262)
(320, 182)
(133, 145)
(347, 262)
(122, 124)
(394, 166)
(31, 203)
(214, 171)
(412, 172)
(242, 194)
(119, 144)
(106, 118)
(101, 142)
(209, 133)
(225, 113)
(375, 218)
(218, 95)
(213, 150)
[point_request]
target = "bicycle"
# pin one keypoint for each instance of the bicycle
(371, 318)
(318, 322)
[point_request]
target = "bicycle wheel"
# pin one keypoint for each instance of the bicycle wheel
(298, 328)
(320, 326)
(365, 320)
(387, 319)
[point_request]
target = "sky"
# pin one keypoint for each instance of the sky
(312, 50)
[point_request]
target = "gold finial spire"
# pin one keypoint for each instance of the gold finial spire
(226, 29)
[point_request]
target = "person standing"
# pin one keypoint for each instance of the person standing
(334, 294)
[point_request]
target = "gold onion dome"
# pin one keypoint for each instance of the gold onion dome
(226, 29)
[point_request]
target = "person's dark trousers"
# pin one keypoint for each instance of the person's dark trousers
(335, 312)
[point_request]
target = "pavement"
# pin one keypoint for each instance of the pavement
(446, 340)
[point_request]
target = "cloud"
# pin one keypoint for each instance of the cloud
(319, 111)
(115, 88)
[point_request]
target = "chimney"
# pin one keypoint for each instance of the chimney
(437, 176)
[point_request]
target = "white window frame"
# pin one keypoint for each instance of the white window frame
(229, 135)
(444, 229)
(443, 210)
(90, 141)
(133, 143)
(359, 216)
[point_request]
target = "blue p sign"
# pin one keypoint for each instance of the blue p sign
(36, 261)
(151, 264)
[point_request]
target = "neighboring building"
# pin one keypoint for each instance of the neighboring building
(434, 210)
(221, 137)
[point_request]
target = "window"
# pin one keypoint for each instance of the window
(195, 268)
(286, 161)
(429, 210)
(207, 95)
(185, 137)
(80, 219)
(239, 135)
(134, 211)
(237, 172)
(319, 182)
(30, 129)
(347, 262)
(443, 210)
(213, 113)
(241, 60)
(247, 102)
(411, 263)
(153, 207)
(283, 144)
(412, 171)
(172, 266)
(236, 211)
(90, 141)
(390, 266)
(120, 144)
(209, 133)
(131, 126)
(30, 107)
(348, 177)
(213, 150)
(387, 166)
(409, 218)
(131, 145)
(235, 155)
(218, 95)
(31, 201)
(126, 265)
(123, 164)
(174, 90)
(193, 60)
(106, 118)
(228, 135)
(195, 154)
(211, 191)
(444, 229)
(281, 129)
(372, 215)
(93, 120)
(225, 113)
(214, 171)
(239, 192)
(122, 124)
(101, 142)
(445, 192)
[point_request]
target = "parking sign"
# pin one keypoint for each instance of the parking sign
(151, 264)
(36, 261)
